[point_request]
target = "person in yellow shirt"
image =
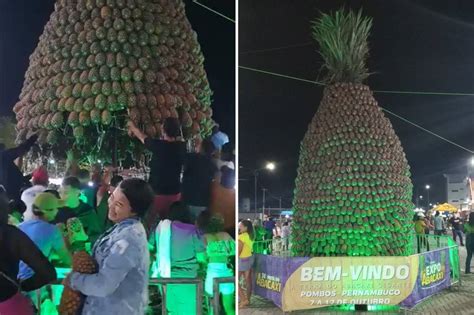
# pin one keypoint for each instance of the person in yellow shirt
(420, 226)
(246, 238)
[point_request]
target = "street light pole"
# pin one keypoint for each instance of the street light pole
(428, 192)
(269, 166)
(263, 207)
(255, 174)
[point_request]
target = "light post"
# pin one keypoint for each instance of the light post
(277, 198)
(427, 187)
(263, 207)
(269, 166)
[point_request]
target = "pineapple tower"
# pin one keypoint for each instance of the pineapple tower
(99, 63)
(353, 188)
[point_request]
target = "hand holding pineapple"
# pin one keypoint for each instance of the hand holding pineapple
(71, 301)
(76, 231)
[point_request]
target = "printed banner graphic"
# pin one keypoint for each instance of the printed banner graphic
(434, 275)
(298, 283)
(350, 280)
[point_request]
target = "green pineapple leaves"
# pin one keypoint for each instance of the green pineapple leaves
(342, 38)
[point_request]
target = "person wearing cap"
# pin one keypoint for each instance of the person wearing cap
(165, 166)
(420, 226)
(40, 181)
(45, 235)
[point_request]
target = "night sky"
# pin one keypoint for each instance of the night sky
(22, 22)
(415, 46)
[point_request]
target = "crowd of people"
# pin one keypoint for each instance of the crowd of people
(462, 230)
(132, 228)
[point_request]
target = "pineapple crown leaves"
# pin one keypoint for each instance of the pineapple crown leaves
(343, 45)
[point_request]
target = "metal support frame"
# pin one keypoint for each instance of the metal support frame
(165, 281)
(161, 281)
(216, 297)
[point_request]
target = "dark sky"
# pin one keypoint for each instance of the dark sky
(415, 46)
(22, 22)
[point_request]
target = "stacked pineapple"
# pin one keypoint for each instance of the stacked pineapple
(101, 62)
(72, 301)
(353, 188)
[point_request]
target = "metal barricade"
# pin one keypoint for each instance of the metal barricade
(165, 281)
(38, 293)
(161, 281)
(216, 297)
(282, 246)
(275, 247)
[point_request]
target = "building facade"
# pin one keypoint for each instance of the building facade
(458, 190)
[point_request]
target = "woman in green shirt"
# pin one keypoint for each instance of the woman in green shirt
(220, 247)
(469, 231)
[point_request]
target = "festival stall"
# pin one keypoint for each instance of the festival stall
(446, 207)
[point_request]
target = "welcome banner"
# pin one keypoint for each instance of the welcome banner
(297, 283)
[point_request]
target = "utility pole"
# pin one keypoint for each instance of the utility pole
(255, 174)
(263, 207)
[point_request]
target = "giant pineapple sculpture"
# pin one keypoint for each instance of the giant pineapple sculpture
(353, 190)
(72, 301)
(101, 62)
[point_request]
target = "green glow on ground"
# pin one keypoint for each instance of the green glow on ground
(371, 308)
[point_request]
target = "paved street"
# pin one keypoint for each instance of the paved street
(458, 300)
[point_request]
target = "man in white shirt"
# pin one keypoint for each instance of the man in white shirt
(218, 137)
(40, 181)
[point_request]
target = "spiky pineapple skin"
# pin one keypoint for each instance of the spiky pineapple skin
(101, 58)
(353, 190)
(71, 300)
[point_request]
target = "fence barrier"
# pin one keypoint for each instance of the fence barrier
(164, 282)
(419, 244)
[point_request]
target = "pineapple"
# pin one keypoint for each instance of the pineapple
(72, 301)
(97, 59)
(353, 188)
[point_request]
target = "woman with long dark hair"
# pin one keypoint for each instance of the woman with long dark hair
(16, 246)
(121, 253)
(219, 248)
(246, 238)
(179, 250)
(469, 231)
